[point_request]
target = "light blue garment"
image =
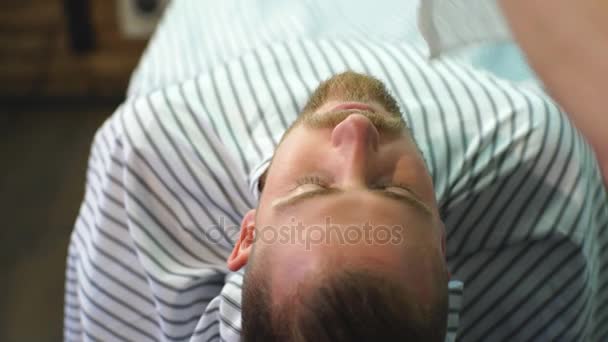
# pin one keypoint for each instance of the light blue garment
(503, 59)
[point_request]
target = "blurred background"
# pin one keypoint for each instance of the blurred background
(64, 68)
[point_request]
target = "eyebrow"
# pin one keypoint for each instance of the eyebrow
(406, 199)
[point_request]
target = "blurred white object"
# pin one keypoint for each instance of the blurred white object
(450, 24)
(138, 18)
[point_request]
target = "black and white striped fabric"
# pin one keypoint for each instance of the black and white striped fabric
(519, 189)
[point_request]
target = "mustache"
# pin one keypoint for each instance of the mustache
(352, 86)
(384, 123)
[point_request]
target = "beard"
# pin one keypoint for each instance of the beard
(351, 86)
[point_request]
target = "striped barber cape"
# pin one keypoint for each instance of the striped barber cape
(174, 169)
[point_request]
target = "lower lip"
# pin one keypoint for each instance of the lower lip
(353, 105)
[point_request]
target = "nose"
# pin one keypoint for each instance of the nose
(355, 140)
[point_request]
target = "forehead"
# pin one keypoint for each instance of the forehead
(349, 208)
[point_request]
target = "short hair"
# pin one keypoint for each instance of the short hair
(345, 305)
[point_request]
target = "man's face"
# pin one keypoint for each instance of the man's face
(348, 187)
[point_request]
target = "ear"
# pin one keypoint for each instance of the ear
(443, 239)
(240, 254)
(443, 249)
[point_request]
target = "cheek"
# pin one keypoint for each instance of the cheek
(301, 152)
(293, 158)
(410, 169)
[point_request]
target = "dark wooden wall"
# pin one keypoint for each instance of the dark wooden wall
(36, 59)
(51, 102)
(44, 156)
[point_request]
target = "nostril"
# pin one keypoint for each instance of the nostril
(356, 129)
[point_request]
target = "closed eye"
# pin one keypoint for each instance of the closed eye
(310, 183)
(398, 190)
(317, 184)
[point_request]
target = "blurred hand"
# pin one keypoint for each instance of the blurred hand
(566, 43)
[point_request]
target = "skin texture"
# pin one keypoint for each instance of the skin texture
(566, 43)
(348, 166)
